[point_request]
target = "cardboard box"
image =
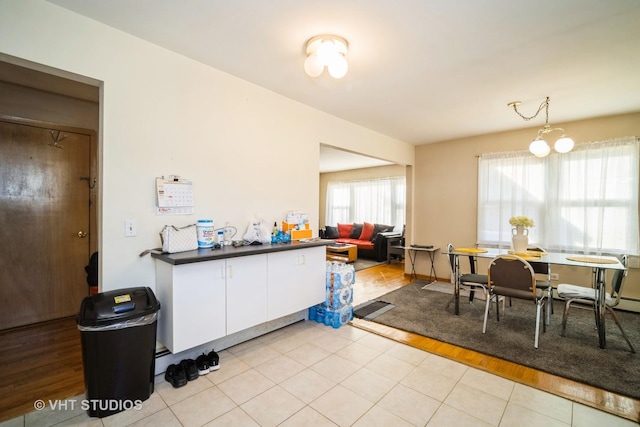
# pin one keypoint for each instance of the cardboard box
(300, 234)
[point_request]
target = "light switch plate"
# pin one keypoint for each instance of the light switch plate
(130, 228)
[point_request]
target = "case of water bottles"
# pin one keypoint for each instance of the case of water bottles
(337, 308)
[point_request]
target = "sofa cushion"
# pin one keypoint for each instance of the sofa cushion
(361, 244)
(331, 232)
(367, 231)
(356, 231)
(344, 230)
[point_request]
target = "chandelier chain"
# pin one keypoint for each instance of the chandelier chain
(544, 104)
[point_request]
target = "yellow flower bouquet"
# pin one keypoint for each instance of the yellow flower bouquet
(524, 221)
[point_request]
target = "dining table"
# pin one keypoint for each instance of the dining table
(599, 265)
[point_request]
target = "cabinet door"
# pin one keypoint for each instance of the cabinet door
(246, 292)
(198, 304)
(296, 280)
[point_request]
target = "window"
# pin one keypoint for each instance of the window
(582, 201)
(379, 201)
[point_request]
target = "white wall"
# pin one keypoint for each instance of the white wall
(162, 113)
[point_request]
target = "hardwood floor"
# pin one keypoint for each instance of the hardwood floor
(45, 361)
(376, 281)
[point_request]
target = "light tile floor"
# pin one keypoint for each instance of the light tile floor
(308, 374)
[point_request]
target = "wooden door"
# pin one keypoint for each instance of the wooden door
(45, 228)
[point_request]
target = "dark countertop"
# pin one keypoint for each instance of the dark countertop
(207, 254)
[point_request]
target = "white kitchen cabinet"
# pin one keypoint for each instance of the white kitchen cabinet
(246, 292)
(235, 294)
(193, 303)
(296, 281)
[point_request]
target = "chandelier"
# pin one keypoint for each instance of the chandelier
(539, 146)
(326, 51)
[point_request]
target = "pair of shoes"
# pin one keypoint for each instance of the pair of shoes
(202, 362)
(190, 368)
(214, 361)
(176, 376)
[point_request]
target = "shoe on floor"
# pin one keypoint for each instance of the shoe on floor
(176, 376)
(202, 362)
(189, 366)
(214, 361)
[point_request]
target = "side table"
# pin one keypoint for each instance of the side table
(413, 251)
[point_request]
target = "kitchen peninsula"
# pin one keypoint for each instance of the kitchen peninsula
(236, 293)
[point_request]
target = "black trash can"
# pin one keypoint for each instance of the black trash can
(118, 335)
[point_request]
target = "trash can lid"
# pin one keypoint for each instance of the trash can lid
(107, 308)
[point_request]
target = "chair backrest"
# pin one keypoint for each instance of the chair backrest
(539, 267)
(618, 280)
(512, 275)
(452, 260)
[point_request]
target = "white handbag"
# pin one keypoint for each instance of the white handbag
(176, 239)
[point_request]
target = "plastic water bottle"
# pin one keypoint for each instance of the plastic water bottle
(227, 234)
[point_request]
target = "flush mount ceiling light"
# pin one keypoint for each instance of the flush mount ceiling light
(326, 51)
(539, 147)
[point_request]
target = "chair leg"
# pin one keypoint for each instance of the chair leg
(564, 317)
(615, 319)
(549, 310)
(487, 303)
(537, 338)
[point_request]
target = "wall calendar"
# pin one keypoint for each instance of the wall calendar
(174, 196)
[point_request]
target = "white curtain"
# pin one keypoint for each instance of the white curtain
(380, 201)
(582, 201)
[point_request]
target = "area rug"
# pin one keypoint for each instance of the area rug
(576, 356)
(371, 309)
(362, 263)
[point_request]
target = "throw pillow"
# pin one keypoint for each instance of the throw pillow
(344, 230)
(381, 228)
(331, 232)
(356, 231)
(367, 231)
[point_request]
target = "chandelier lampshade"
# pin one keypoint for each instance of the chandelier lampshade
(539, 148)
(564, 144)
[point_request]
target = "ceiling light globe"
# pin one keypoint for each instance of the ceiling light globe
(539, 148)
(313, 66)
(564, 144)
(327, 51)
(339, 67)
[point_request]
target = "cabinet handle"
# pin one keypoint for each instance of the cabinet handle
(229, 272)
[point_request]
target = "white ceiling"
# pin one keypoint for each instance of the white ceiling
(419, 71)
(333, 160)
